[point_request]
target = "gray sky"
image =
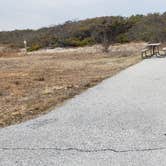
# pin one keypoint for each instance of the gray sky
(23, 14)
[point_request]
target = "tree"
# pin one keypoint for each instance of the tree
(102, 34)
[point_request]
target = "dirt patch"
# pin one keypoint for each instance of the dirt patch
(31, 85)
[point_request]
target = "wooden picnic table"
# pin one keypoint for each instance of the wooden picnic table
(151, 49)
(154, 48)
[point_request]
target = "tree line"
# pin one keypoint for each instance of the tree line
(105, 30)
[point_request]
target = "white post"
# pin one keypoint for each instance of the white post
(25, 45)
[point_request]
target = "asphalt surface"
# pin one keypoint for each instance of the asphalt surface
(120, 122)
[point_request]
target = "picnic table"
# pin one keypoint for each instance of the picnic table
(155, 48)
(152, 48)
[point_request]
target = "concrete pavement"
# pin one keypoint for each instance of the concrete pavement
(120, 122)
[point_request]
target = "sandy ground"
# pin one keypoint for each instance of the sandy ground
(34, 84)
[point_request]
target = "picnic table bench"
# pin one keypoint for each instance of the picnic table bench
(145, 52)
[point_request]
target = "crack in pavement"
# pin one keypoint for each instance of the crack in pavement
(85, 150)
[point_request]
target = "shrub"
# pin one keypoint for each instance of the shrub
(122, 38)
(75, 42)
(34, 47)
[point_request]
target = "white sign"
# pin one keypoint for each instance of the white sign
(25, 42)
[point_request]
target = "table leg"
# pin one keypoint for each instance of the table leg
(158, 51)
(153, 50)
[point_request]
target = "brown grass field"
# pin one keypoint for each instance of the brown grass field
(33, 84)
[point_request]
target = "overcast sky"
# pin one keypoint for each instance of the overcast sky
(23, 14)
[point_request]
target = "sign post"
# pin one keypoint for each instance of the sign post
(25, 45)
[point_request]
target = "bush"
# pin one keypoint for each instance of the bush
(122, 38)
(34, 47)
(75, 42)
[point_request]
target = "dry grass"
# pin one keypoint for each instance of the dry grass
(6, 51)
(31, 85)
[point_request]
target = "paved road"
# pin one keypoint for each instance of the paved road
(120, 122)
